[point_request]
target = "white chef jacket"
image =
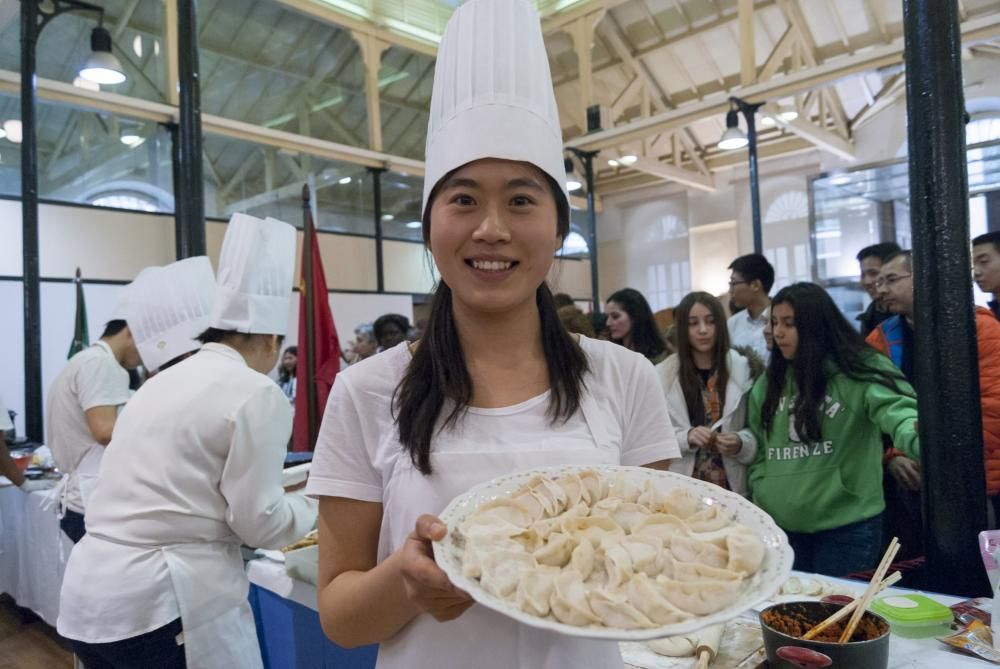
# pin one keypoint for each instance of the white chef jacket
(747, 331)
(623, 420)
(193, 470)
(91, 378)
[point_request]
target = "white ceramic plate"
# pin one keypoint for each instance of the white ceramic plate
(762, 586)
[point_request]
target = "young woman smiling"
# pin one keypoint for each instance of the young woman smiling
(706, 385)
(495, 386)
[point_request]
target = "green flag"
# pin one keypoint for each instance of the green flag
(81, 336)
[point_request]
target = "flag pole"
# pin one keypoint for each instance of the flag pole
(310, 353)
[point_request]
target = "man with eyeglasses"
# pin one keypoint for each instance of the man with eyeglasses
(870, 259)
(894, 337)
(749, 290)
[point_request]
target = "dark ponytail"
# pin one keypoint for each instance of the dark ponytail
(438, 372)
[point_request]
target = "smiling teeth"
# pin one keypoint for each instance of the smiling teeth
(491, 265)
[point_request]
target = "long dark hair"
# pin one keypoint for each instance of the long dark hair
(646, 339)
(438, 371)
(688, 373)
(284, 376)
(828, 346)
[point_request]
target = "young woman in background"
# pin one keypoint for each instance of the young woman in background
(706, 384)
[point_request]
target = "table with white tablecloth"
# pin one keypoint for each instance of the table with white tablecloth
(33, 552)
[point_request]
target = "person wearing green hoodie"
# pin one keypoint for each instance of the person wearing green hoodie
(818, 415)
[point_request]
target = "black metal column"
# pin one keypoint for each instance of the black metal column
(189, 187)
(588, 172)
(376, 174)
(29, 226)
(950, 430)
(750, 114)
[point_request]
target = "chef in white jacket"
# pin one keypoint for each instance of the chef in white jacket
(496, 385)
(194, 470)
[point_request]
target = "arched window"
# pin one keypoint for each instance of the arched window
(119, 200)
(789, 206)
(574, 245)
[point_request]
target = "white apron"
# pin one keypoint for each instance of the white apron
(481, 637)
(84, 476)
(211, 588)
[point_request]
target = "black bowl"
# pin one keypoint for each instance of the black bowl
(788, 652)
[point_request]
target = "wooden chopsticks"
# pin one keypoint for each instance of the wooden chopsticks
(873, 589)
(858, 607)
(849, 608)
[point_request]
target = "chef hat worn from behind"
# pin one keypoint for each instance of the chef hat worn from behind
(493, 95)
(255, 276)
(167, 307)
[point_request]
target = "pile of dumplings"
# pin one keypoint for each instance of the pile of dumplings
(585, 549)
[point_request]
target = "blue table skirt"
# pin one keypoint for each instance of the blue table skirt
(291, 637)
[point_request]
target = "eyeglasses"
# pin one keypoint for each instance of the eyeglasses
(891, 280)
(736, 283)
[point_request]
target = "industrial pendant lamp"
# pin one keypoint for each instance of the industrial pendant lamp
(733, 138)
(102, 67)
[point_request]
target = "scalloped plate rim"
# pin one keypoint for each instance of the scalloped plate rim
(778, 559)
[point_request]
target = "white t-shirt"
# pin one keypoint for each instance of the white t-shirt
(623, 420)
(747, 331)
(91, 378)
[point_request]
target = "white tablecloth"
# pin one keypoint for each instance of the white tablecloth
(31, 558)
(904, 653)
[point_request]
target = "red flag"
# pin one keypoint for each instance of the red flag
(327, 348)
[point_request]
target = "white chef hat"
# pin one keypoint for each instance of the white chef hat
(255, 276)
(493, 94)
(167, 307)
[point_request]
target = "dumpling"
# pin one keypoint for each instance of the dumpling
(692, 571)
(617, 562)
(685, 549)
(556, 551)
(502, 569)
(594, 484)
(477, 549)
(646, 596)
(582, 559)
(720, 536)
(661, 525)
(708, 519)
(503, 508)
(569, 600)
(646, 552)
(675, 646)
(552, 496)
(531, 502)
(681, 503)
(628, 515)
(624, 488)
(614, 610)
(746, 552)
(534, 591)
(699, 597)
(652, 497)
(591, 528)
(574, 489)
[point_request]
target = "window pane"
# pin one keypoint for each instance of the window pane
(137, 35)
(245, 177)
(92, 158)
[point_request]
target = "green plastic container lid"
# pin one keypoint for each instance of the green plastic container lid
(916, 610)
